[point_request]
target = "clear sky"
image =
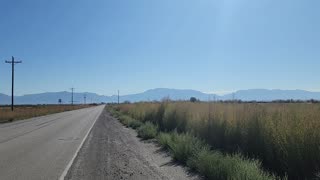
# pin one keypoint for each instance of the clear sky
(134, 45)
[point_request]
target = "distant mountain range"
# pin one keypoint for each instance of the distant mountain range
(160, 93)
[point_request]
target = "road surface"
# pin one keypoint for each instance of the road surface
(42, 148)
(112, 151)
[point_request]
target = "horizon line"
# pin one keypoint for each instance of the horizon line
(219, 92)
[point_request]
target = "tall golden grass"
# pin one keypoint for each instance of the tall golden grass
(285, 137)
(24, 112)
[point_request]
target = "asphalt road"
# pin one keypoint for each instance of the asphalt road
(112, 151)
(42, 148)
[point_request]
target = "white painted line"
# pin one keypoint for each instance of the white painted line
(63, 175)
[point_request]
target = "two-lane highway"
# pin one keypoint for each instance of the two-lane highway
(42, 148)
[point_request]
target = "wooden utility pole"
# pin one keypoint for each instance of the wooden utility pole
(12, 62)
(209, 103)
(118, 97)
(233, 104)
(72, 101)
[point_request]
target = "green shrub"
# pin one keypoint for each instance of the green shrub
(165, 139)
(184, 146)
(197, 155)
(147, 131)
(125, 120)
(113, 112)
(134, 124)
(215, 165)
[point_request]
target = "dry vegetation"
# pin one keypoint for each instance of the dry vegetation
(284, 137)
(25, 112)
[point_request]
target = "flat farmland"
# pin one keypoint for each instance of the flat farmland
(29, 111)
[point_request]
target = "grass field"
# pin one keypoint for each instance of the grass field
(284, 137)
(25, 112)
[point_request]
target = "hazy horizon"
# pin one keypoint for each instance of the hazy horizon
(220, 93)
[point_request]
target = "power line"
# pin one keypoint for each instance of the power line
(12, 62)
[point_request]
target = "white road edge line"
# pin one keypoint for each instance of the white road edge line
(63, 175)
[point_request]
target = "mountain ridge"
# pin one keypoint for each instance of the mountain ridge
(160, 93)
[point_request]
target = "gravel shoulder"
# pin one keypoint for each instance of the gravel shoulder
(112, 151)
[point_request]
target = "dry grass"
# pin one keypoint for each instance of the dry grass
(284, 137)
(25, 112)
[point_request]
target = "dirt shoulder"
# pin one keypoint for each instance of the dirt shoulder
(112, 151)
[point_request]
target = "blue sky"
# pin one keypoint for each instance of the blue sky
(134, 45)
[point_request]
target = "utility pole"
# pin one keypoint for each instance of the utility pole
(12, 62)
(233, 104)
(85, 98)
(72, 89)
(118, 97)
(214, 103)
(209, 103)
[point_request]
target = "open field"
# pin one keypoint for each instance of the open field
(25, 112)
(284, 137)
